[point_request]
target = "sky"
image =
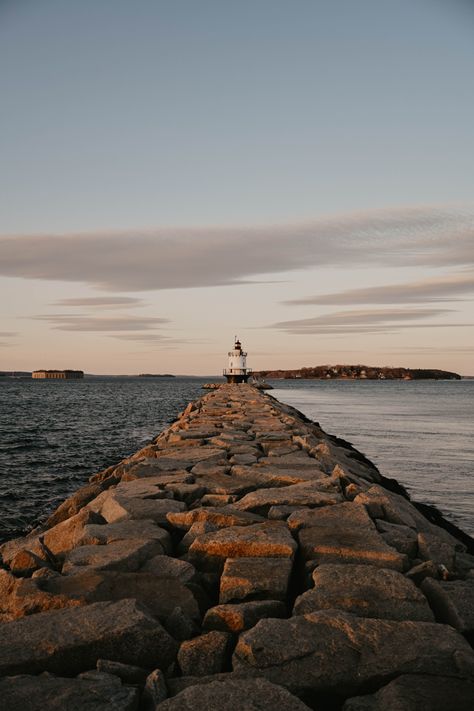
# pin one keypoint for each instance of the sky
(175, 173)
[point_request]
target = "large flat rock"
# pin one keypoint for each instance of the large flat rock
(191, 455)
(255, 578)
(343, 515)
(48, 693)
(71, 641)
(94, 534)
(262, 540)
(340, 654)
(320, 492)
(325, 546)
(271, 475)
(241, 694)
(366, 591)
(216, 481)
(342, 544)
(221, 517)
(151, 467)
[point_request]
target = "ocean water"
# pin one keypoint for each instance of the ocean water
(55, 434)
(418, 432)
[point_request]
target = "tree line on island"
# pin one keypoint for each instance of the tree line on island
(359, 372)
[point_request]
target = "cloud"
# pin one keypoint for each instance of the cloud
(61, 322)
(106, 302)
(432, 349)
(365, 321)
(7, 335)
(139, 260)
(447, 288)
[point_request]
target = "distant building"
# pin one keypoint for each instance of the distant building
(58, 374)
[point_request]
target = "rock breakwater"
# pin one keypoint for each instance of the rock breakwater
(245, 559)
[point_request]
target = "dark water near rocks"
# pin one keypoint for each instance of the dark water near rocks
(54, 435)
(418, 432)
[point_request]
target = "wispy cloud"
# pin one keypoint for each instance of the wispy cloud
(8, 335)
(164, 259)
(62, 322)
(105, 302)
(365, 321)
(153, 340)
(443, 288)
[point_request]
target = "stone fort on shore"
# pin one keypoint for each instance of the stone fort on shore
(243, 560)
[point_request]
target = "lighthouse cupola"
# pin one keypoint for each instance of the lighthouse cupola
(237, 371)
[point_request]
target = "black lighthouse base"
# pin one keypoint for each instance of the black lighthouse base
(234, 378)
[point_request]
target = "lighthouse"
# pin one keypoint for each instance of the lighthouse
(237, 372)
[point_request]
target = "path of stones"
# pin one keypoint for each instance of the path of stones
(245, 560)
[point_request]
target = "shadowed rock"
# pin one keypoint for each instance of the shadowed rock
(160, 595)
(165, 566)
(127, 556)
(203, 655)
(100, 693)
(402, 538)
(229, 695)
(452, 602)
(72, 640)
(417, 692)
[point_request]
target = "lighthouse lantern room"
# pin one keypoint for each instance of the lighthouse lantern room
(237, 372)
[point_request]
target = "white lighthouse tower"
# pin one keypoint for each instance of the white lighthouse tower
(237, 372)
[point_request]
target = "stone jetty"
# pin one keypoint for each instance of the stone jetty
(243, 560)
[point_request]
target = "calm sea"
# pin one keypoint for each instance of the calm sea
(418, 432)
(54, 435)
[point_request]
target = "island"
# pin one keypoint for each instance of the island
(156, 375)
(359, 372)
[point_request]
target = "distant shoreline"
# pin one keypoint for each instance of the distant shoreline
(358, 372)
